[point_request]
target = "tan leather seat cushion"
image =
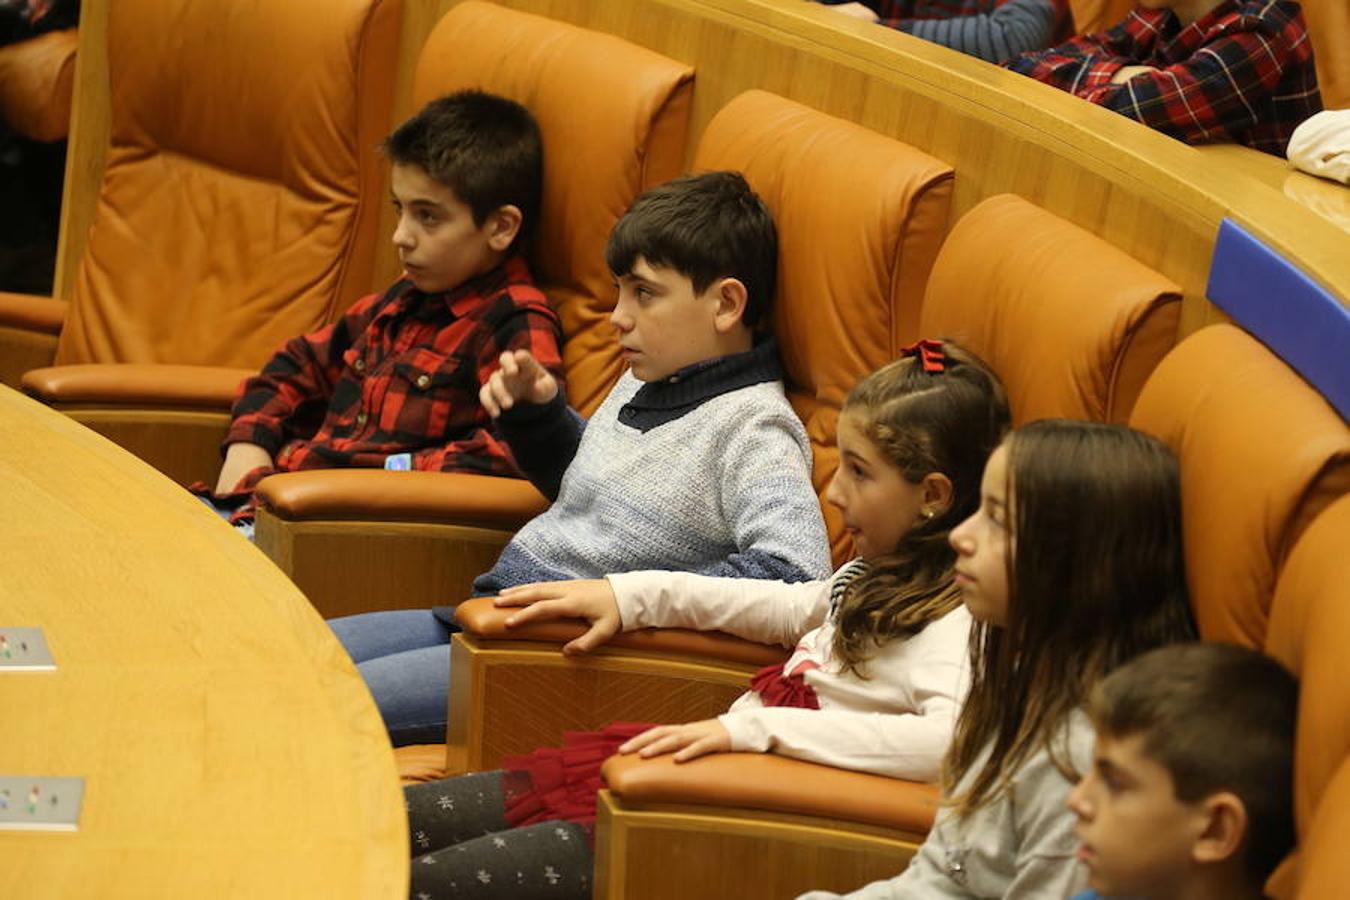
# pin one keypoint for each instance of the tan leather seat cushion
(479, 617)
(614, 117)
(458, 499)
(240, 200)
(37, 77)
(852, 264)
(777, 784)
(1261, 453)
(419, 763)
(1071, 324)
(196, 387)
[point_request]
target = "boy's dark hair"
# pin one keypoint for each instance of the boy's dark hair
(1218, 718)
(705, 227)
(485, 148)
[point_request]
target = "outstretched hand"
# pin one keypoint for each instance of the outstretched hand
(592, 600)
(519, 378)
(686, 741)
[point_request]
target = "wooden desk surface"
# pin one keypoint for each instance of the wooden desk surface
(228, 745)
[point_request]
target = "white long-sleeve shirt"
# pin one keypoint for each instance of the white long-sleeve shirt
(897, 721)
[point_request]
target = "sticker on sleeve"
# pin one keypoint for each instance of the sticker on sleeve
(399, 462)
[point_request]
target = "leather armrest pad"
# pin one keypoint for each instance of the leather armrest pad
(452, 498)
(777, 784)
(30, 312)
(121, 384)
(480, 618)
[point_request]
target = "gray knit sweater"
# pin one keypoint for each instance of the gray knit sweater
(722, 488)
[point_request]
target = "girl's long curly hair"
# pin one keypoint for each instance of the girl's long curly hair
(921, 422)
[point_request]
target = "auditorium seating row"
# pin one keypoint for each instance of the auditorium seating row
(1075, 287)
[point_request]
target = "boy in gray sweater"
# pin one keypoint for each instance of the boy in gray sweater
(694, 462)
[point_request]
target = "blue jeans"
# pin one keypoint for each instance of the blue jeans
(404, 656)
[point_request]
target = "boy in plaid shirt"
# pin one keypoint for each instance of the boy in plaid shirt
(395, 382)
(1201, 71)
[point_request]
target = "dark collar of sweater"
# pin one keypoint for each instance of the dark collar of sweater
(659, 402)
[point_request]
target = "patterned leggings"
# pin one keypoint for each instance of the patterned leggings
(463, 846)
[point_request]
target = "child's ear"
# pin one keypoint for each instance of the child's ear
(1223, 831)
(503, 225)
(937, 494)
(731, 299)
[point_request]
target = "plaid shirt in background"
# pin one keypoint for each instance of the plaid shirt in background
(399, 373)
(1243, 73)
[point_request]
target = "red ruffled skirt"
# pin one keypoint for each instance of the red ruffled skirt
(563, 783)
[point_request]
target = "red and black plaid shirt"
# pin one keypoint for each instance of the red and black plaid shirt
(1243, 73)
(399, 373)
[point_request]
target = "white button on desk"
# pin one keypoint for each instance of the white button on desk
(228, 746)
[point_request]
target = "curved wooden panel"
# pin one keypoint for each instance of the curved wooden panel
(228, 744)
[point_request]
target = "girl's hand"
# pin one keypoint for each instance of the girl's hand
(592, 600)
(688, 741)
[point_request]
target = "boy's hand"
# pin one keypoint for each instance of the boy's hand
(592, 600)
(856, 11)
(1125, 73)
(240, 459)
(688, 741)
(518, 378)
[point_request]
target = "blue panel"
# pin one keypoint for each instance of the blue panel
(1302, 322)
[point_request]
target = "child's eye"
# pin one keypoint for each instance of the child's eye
(426, 217)
(642, 293)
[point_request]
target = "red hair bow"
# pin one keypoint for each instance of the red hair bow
(929, 353)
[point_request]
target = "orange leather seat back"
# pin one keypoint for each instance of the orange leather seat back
(614, 118)
(860, 218)
(1261, 454)
(1071, 324)
(240, 201)
(1309, 633)
(37, 77)
(1328, 24)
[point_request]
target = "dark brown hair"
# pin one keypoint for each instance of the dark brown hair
(921, 422)
(486, 149)
(705, 227)
(1218, 718)
(1096, 577)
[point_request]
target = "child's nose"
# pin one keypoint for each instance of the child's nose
(833, 495)
(1077, 802)
(402, 235)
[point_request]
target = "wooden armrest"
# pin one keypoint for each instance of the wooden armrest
(480, 618)
(29, 312)
(777, 784)
(452, 498)
(160, 386)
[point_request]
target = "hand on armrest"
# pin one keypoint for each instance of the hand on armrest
(589, 599)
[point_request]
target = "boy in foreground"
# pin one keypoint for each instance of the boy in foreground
(1190, 794)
